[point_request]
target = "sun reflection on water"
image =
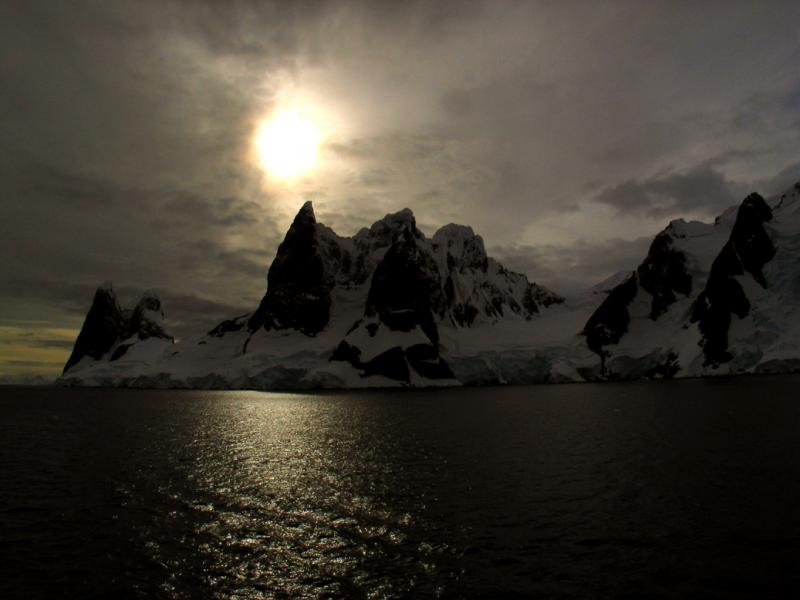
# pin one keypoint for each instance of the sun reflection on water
(282, 497)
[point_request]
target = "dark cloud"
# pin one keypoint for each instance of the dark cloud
(788, 177)
(51, 343)
(64, 304)
(125, 134)
(457, 102)
(29, 363)
(576, 267)
(702, 191)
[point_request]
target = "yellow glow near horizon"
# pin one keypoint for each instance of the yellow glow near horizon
(287, 144)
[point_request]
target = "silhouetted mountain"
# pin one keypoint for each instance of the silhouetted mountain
(709, 298)
(376, 302)
(388, 306)
(109, 331)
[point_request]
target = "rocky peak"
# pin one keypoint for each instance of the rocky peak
(103, 326)
(405, 295)
(305, 216)
(748, 249)
(610, 321)
(298, 283)
(406, 289)
(664, 272)
(147, 319)
(461, 247)
(106, 325)
(382, 232)
(750, 239)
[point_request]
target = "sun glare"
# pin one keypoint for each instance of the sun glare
(287, 144)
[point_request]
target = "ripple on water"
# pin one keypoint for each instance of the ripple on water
(478, 493)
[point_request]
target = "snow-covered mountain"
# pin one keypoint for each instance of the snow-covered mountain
(388, 306)
(109, 331)
(708, 299)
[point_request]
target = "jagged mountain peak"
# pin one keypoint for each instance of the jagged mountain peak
(454, 234)
(382, 232)
(298, 284)
(103, 324)
(306, 213)
(107, 325)
(147, 319)
(390, 306)
(149, 302)
(404, 216)
(462, 248)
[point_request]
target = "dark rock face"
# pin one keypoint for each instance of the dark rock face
(405, 293)
(610, 321)
(141, 322)
(107, 324)
(391, 364)
(748, 250)
(383, 233)
(230, 325)
(121, 350)
(464, 250)
(347, 353)
(663, 273)
(750, 239)
(409, 282)
(412, 281)
(406, 290)
(395, 363)
(298, 287)
(103, 326)
(536, 296)
(475, 285)
(667, 369)
(425, 360)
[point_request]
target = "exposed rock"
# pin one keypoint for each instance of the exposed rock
(106, 325)
(610, 321)
(463, 249)
(298, 286)
(391, 364)
(119, 352)
(230, 326)
(406, 290)
(425, 360)
(103, 326)
(663, 273)
(346, 353)
(148, 318)
(748, 250)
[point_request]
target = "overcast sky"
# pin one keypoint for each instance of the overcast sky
(566, 133)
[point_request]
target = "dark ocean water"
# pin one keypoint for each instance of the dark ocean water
(663, 490)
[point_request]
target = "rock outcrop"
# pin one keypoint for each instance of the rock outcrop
(298, 283)
(748, 250)
(108, 327)
(390, 306)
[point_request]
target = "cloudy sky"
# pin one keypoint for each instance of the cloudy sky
(566, 133)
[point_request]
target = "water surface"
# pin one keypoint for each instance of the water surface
(687, 488)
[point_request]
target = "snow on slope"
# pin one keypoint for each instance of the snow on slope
(700, 304)
(769, 335)
(385, 307)
(390, 307)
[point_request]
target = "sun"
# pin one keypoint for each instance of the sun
(286, 144)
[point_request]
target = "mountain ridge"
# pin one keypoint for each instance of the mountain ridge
(390, 306)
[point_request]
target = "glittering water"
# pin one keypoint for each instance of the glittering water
(665, 490)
